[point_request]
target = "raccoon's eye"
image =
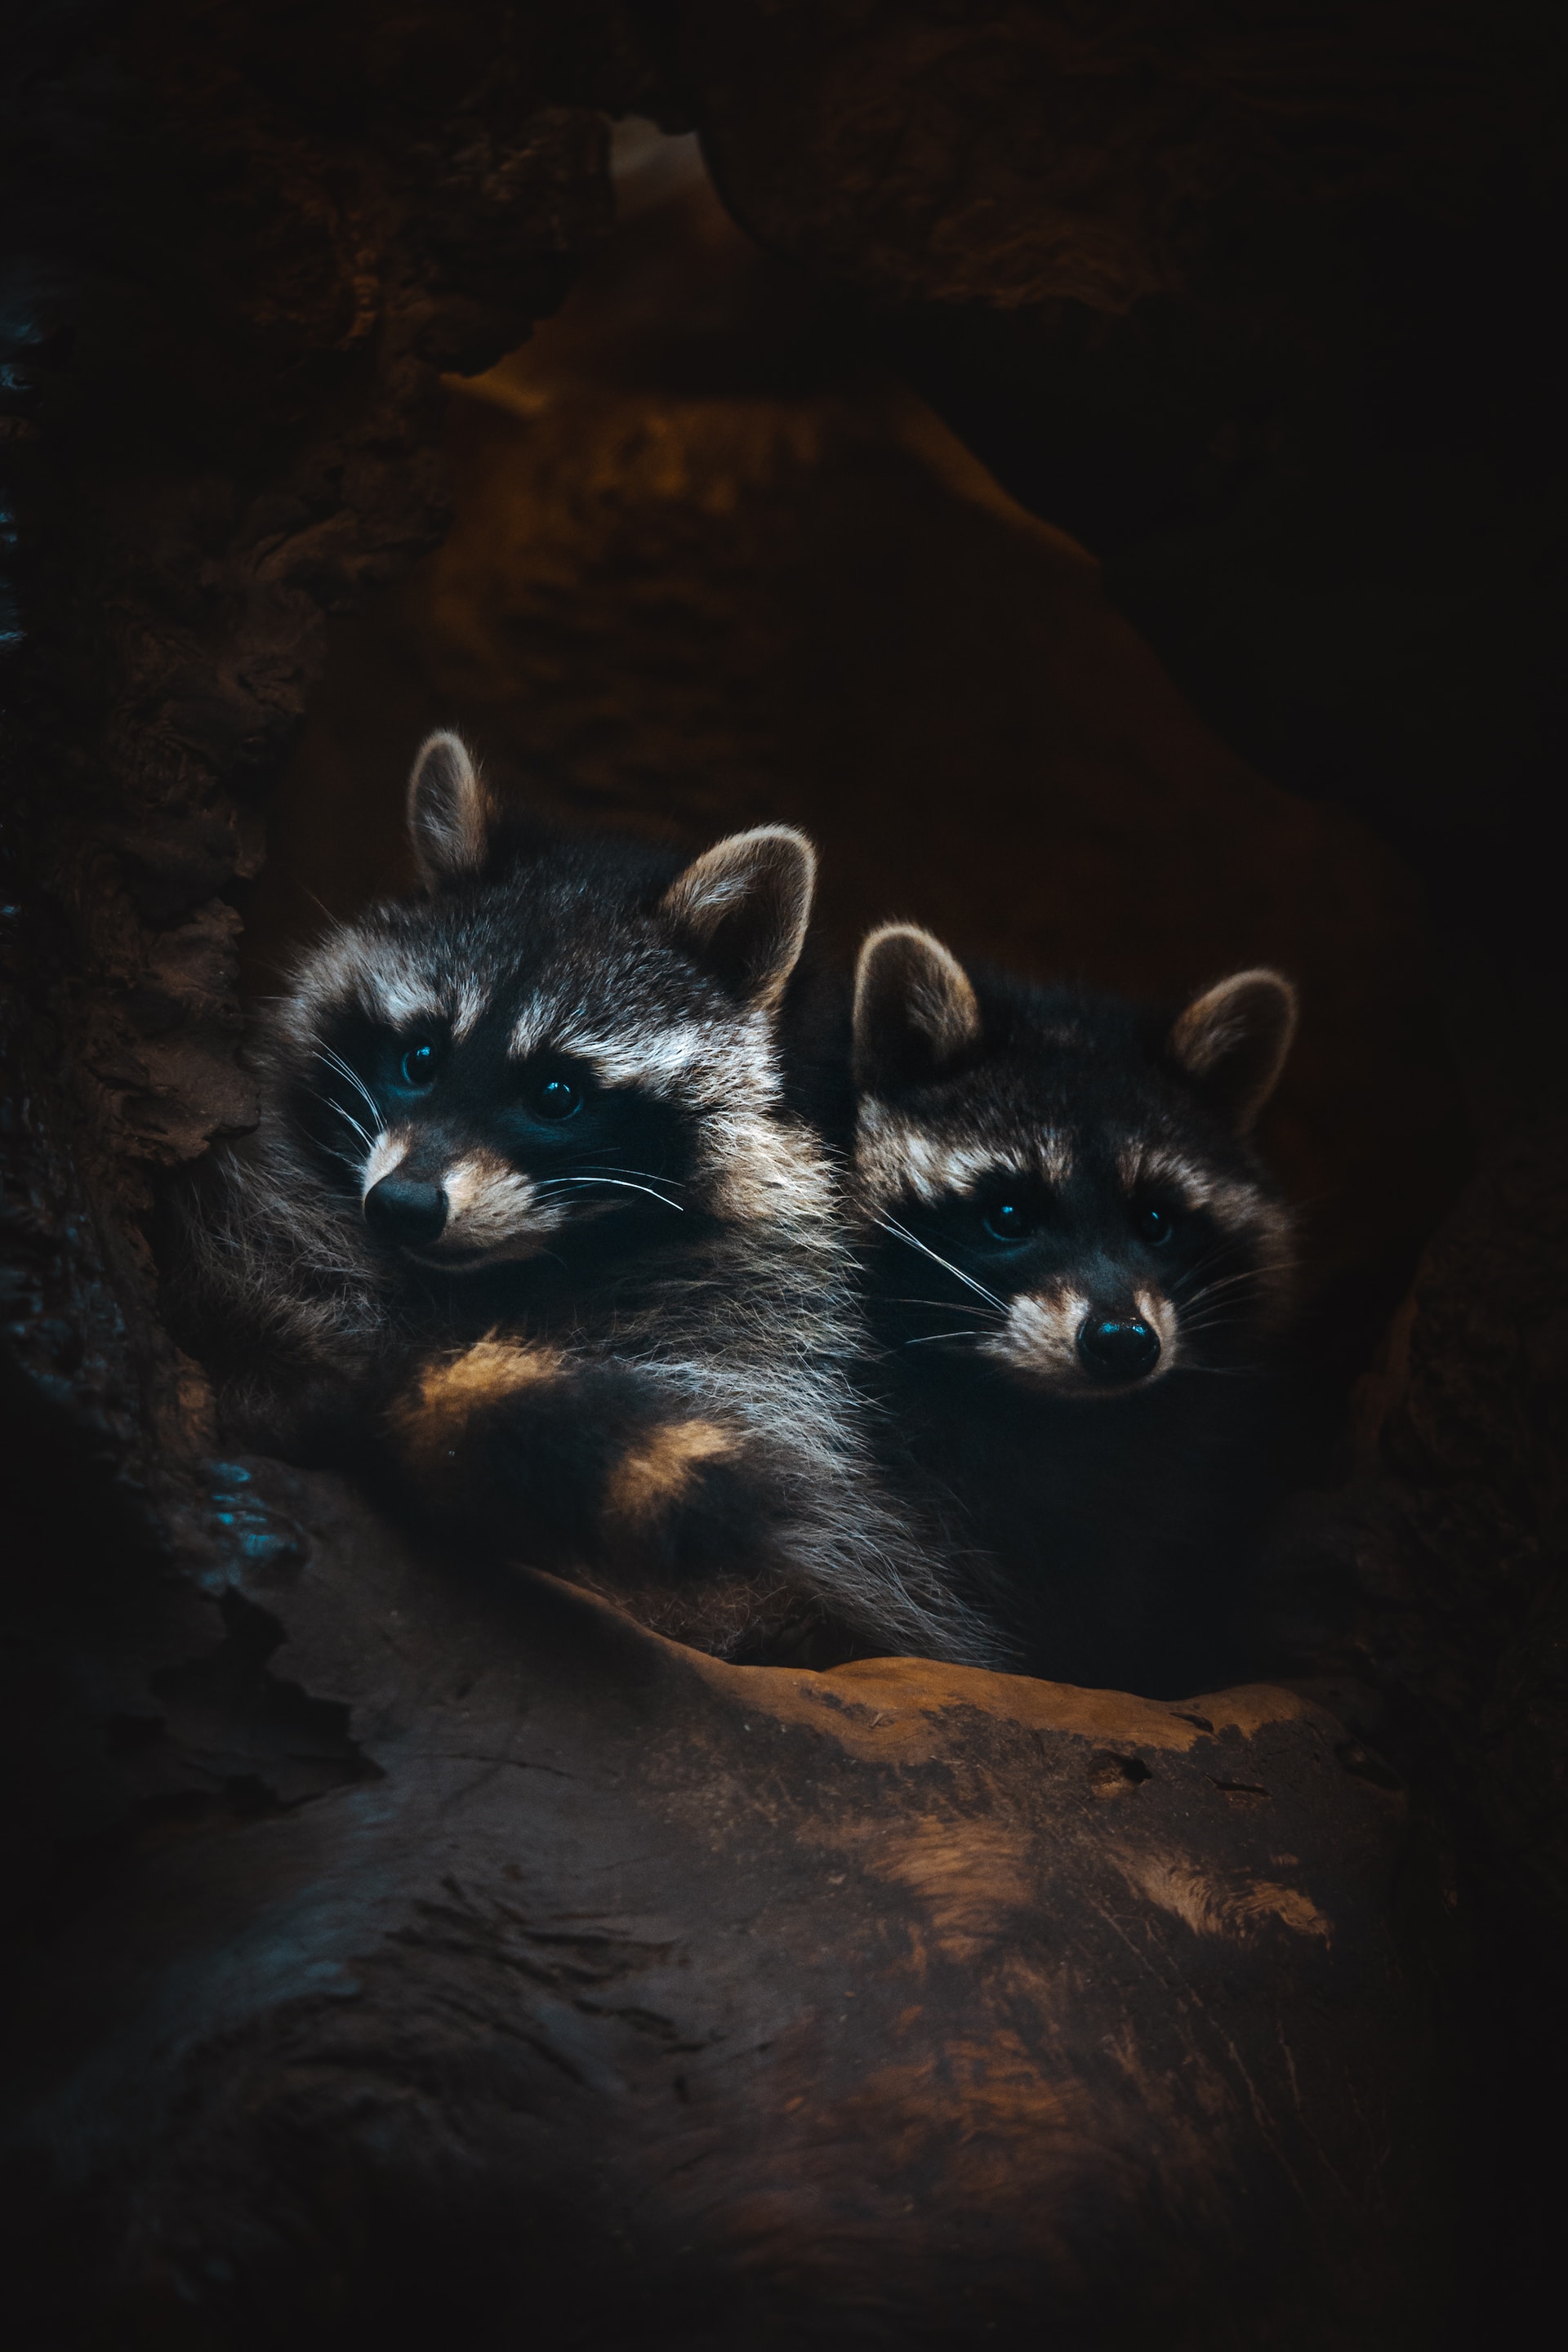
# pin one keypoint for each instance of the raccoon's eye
(1152, 1226)
(557, 1098)
(417, 1068)
(1009, 1221)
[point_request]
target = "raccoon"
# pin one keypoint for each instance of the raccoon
(1079, 1277)
(528, 1223)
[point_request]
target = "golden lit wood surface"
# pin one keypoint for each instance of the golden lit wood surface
(900, 1996)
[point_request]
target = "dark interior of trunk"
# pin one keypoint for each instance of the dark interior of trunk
(1098, 472)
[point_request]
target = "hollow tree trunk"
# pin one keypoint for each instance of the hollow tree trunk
(395, 1943)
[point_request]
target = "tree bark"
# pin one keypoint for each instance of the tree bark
(395, 1943)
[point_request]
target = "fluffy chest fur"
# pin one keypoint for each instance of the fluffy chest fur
(529, 1221)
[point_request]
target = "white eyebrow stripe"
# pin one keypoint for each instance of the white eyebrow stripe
(529, 1031)
(1138, 1162)
(898, 1155)
(470, 1004)
(713, 1064)
(386, 981)
(659, 1060)
(1054, 1150)
(401, 1003)
(1233, 1201)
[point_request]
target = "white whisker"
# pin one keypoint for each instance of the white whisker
(613, 1168)
(342, 1113)
(559, 1183)
(336, 1062)
(891, 1225)
(1229, 1282)
(947, 1306)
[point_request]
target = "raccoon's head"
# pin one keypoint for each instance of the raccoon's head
(559, 1036)
(1058, 1183)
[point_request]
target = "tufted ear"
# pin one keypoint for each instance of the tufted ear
(449, 812)
(915, 1011)
(1231, 1042)
(740, 909)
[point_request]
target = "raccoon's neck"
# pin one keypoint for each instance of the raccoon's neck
(768, 1173)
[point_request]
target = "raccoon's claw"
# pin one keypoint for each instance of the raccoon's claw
(243, 1531)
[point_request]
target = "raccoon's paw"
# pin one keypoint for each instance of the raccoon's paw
(662, 1465)
(690, 1496)
(451, 1395)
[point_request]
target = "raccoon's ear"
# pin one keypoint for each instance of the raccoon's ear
(449, 812)
(740, 909)
(915, 1011)
(1231, 1042)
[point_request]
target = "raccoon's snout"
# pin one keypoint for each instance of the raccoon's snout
(1118, 1348)
(402, 1211)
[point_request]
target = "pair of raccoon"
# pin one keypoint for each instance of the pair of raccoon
(533, 1219)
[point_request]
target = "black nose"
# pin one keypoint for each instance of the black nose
(401, 1210)
(1118, 1348)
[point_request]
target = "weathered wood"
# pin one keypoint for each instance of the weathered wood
(618, 1996)
(395, 1946)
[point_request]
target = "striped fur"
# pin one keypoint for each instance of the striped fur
(611, 1339)
(1038, 1175)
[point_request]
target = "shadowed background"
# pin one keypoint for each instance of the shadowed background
(393, 1947)
(712, 563)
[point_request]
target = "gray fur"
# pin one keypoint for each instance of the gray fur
(713, 1289)
(1080, 1277)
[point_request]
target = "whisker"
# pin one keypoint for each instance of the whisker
(1227, 1246)
(1224, 1311)
(1230, 1281)
(930, 1336)
(336, 1062)
(1263, 1265)
(560, 1183)
(950, 1305)
(1228, 1311)
(891, 1225)
(354, 1122)
(1226, 1323)
(618, 1168)
(342, 1113)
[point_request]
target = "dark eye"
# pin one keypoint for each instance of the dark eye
(557, 1098)
(1152, 1226)
(1009, 1221)
(417, 1068)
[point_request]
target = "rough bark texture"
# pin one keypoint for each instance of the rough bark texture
(246, 242)
(634, 2000)
(396, 1948)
